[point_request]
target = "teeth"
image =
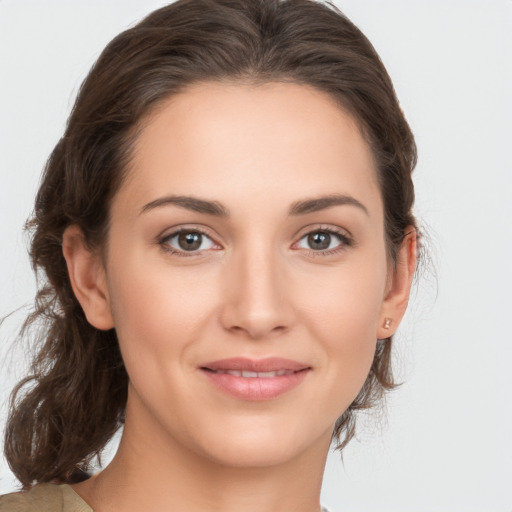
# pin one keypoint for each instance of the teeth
(253, 375)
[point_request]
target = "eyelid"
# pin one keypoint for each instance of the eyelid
(329, 228)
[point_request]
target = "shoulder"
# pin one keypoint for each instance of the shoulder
(44, 498)
(41, 498)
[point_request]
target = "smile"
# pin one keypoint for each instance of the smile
(253, 375)
(255, 380)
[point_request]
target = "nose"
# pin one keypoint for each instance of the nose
(256, 298)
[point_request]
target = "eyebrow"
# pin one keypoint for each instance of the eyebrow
(321, 203)
(190, 203)
(216, 209)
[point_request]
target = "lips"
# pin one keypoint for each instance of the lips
(249, 379)
(252, 375)
(270, 364)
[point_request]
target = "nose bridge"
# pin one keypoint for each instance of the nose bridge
(256, 298)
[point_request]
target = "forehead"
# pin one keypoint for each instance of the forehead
(273, 141)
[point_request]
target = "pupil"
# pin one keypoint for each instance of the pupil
(189, 241)
(319, 241)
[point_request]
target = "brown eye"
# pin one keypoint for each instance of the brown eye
(190, 241)
(319, 241)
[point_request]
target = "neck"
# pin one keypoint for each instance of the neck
(152, 471)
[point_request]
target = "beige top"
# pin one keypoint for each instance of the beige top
(44, 498)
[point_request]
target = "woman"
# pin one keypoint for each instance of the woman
(227, 233)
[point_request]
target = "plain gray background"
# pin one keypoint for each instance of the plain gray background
(445, 442)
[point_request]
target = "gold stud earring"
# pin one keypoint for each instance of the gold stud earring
(387, 323)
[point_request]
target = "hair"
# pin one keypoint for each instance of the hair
(72, 403)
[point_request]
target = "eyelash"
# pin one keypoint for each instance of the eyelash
(344, 239)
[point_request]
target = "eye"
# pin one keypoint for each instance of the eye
(323, 240)
(187, 241)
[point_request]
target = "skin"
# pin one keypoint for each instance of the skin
(255, 288)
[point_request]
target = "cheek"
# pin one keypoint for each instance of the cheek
(346, 302)
(158, 313)
(344, 313)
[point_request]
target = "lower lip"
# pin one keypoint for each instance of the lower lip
(256, 388)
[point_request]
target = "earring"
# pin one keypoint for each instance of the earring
(387, 323)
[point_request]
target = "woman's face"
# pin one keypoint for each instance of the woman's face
(246, 272)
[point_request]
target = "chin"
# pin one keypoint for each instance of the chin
(259, 446)
(253, 453)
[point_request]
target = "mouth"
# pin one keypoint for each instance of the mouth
(269, 365)
(247, 374)
(255, 380)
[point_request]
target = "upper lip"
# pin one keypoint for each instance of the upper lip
(269, 364)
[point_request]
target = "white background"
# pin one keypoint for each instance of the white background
(446, 441)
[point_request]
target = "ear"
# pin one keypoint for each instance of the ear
(399, 286)
(88, 280)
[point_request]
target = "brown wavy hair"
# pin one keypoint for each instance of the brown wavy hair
(72, 403)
